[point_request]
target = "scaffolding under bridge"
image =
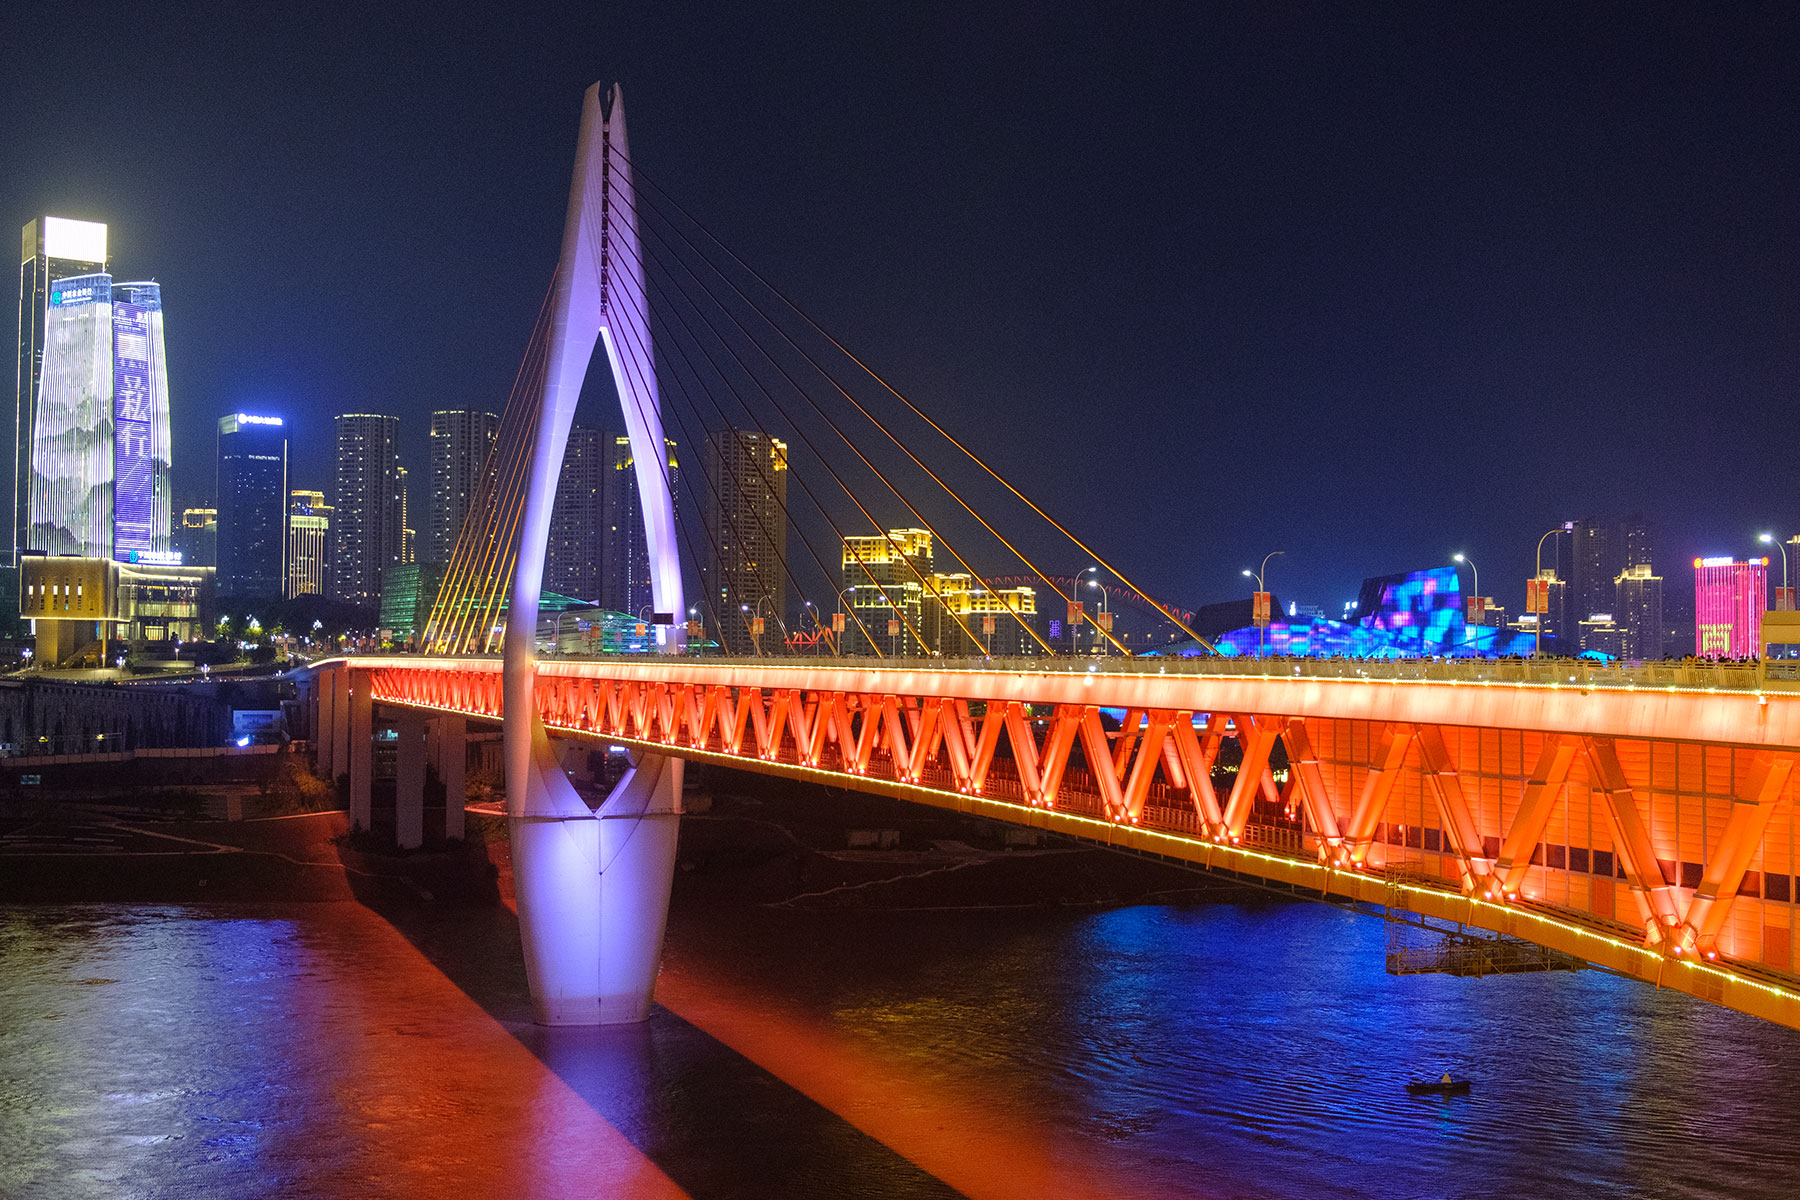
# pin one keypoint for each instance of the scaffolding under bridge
(1419, 946)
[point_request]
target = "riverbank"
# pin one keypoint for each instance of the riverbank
(756, 842)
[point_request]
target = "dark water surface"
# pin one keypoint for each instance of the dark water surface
(1220, 1050)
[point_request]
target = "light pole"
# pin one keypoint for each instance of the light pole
(1075, 597)
(847, 598)
(1784, 601)
(1474, 588)
(1537, 563)
(1258, 576)
(750, 628)
(1099, 646)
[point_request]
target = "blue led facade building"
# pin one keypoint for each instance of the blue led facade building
(1419, 614)
(253, 505)
(99, 450)
(142, 506)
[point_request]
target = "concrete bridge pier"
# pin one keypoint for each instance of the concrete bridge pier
(409, 778)
(448, 742)
(358, 745)
(324, 723)
(593, 888)
(340, 723)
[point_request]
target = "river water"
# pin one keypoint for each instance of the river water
(1223, 1050)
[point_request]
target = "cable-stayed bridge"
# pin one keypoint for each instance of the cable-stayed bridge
(1636, 819)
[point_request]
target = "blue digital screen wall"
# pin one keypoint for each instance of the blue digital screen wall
(1419, 614)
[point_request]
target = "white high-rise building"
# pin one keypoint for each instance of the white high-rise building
(461, 442)
(366, 532)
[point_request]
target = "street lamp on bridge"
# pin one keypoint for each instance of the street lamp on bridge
(1784, 599)
(1106, 611)
(1075, 611)
(1259, 606)
(1542, 608)
(1474, 607)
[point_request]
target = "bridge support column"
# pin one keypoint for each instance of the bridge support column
(409, 779)
(450, 758)
(324, 723)
(593, 896)
(359, 731)
(340, 722)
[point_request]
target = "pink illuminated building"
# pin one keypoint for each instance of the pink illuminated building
(1729, 599)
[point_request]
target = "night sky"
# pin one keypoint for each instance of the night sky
(1368, 288)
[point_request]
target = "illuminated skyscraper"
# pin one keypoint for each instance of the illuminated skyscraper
(1590, 580)
(53, 248)
(1634, 543)
(461, 440)
(1639, 613)
(746, 525)
(409, 552)
(99, 452)
(253, 504)
(625, 573)
(366, 527)
(1729, 599)
(196, 537)
(71, 450)
(572, 552)
(309, 540)
(142, 501)
(884, 581)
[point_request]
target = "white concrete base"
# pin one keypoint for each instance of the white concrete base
(593, 897)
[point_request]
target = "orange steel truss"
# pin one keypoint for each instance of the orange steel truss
(1584, 823)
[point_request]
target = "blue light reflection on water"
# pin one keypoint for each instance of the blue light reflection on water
(1222, 1050)
(1262, 1050)
(136, 1034)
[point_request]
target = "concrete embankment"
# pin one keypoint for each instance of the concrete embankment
(109, 853)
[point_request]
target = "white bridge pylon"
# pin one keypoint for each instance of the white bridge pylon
(592, 889)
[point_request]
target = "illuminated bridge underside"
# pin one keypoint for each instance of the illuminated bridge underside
(1650, 833)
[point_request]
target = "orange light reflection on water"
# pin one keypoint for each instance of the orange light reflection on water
(438, 1099)
(978, 1144)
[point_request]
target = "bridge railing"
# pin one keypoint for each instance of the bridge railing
(1681, 674)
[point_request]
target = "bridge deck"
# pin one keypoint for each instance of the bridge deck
(1643, 826)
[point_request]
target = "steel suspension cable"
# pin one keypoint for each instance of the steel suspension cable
(519, 413)
(1017, 616)
(798, 477)
(447, 624)
(876, 471)
(877, 377)
(762, 472)
(627, 329)
(641, 337)
(800, 432)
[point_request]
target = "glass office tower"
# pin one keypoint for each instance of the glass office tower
(253, 505)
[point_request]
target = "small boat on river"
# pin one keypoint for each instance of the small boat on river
(1439, 1087)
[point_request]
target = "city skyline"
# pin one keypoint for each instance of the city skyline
(1600, 262)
